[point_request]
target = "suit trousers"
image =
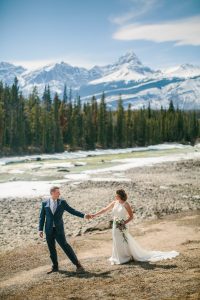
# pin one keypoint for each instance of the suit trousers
(61, 240)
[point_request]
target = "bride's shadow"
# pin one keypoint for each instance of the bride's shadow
(151, 266)
(85, 274)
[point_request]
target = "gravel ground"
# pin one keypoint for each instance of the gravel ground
(166, 200)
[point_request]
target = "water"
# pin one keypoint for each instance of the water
(33, 175)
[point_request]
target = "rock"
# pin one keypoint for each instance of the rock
(99, 227)
(77, 233)
(162, 187)
(196, 197)
(63, 170)
(79, 164)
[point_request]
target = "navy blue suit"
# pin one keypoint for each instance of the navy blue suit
(57, 233)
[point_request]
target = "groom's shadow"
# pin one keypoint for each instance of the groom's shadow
(151, 266)
(85, 274)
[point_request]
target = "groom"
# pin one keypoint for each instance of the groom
(51, 215)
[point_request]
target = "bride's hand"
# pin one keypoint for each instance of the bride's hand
(93, 216)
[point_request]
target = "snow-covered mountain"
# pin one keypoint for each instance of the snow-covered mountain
(8, 72)
(56, 76)
(127, 68)
(183, 71)
(137, 84)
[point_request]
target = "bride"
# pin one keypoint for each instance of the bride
(125, 248)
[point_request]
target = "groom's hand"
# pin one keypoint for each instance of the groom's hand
(41, 234)
(87, 216)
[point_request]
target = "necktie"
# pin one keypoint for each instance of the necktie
(54, 206)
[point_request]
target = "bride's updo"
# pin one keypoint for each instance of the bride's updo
(122, 194)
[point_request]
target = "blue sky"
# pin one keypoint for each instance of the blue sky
(162, 33)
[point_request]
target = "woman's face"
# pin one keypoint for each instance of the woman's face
(117, 197)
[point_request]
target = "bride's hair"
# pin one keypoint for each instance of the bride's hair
(122, 194)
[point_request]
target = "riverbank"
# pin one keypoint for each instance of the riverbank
(153, 191)
(166, 201)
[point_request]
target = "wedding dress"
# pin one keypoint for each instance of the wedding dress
(125, 248)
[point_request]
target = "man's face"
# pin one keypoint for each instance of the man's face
(55, 194)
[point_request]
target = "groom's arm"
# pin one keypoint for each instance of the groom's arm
(73, 211)
(42, 218)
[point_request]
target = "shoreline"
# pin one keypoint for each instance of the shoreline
(33, 179)
(95, 152)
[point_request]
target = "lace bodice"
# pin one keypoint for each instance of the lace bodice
(119, 211)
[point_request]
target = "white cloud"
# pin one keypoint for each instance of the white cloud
(139, 8)
(182, 32)
(31, 64)
(35, 64)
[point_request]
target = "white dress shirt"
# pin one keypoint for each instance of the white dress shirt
(52, 204)
(51, 207)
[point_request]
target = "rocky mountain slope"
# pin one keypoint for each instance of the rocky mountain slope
(136, 83)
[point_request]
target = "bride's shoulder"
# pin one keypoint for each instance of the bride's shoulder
(129, 205)
(126, 204)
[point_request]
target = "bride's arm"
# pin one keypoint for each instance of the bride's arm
(130, 212)
(103, 210)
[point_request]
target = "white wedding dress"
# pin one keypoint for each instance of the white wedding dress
(126, 250)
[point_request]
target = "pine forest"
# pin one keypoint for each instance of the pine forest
(30, 125)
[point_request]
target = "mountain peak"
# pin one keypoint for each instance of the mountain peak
(129, 57)
(183, 71)
(7, 65)
(137, 83)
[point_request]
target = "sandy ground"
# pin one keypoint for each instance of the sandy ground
(166, 199)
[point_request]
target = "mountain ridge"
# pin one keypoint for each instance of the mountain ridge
(136, 83)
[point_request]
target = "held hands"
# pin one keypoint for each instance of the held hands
(89, 216)
(41, 234)
(93, 216)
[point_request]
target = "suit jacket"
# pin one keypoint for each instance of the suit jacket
(47, 218)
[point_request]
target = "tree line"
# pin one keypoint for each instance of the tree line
(46, 125)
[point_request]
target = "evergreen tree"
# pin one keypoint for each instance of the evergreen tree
(47, 99)
(58, 139)
(13, 130)
(120, 126)
(65, 97)
(77, 125)
(141, 128)
(101, 121)
(2, 118)
(109, 130)
(88, 130)
(68, 135)
(94, 113)
(171, 107)
(31, 125)
(48, 124)
(21, 124)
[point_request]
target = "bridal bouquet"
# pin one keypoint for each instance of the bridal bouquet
(122, 227)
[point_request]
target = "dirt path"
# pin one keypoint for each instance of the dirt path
(23, 270)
